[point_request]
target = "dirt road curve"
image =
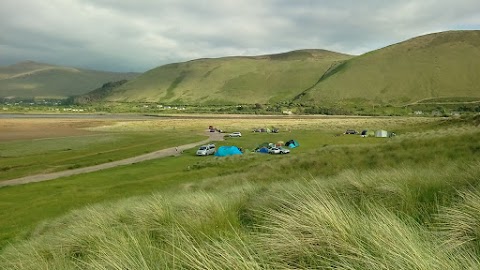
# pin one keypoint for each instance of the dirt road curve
(214, 136)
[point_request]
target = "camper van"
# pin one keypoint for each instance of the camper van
(206, 150)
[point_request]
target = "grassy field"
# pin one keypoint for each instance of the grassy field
(346, 202)
(42, 150)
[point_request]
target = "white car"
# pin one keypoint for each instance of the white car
(206, 150)
(278, 150)
(235, 134)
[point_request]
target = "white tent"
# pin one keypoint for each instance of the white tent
(381, 134)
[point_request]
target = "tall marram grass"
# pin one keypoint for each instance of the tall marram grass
(158, 232)
(409, 217)
(460, 224)
(315, 229)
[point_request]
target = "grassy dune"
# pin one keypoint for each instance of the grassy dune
(356, 223)
(410, 202)
(440, 65)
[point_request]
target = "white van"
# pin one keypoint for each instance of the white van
(206, 150)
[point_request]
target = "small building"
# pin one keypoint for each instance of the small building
(436, 113)
(455, 113)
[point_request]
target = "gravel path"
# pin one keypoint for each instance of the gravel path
(173, 151)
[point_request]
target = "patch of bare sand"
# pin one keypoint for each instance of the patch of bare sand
(26, 129)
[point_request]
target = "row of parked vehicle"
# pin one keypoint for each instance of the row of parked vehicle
(266, 148)
(210, 149)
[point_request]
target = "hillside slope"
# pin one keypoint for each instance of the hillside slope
(440, 65)
(31, 79)
(231, 80)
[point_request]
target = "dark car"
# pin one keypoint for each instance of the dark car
(351, 131)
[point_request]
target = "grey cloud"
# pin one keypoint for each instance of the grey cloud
(134, 35)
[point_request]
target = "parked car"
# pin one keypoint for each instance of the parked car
(351, 131)
(278, 150)
(206, 150)
(235, 134)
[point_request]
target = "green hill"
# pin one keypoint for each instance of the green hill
(440, 67)
(98, 94)
(37, 80)
(231, 80)
(434, 66)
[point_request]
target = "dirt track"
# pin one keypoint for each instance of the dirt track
(173, 151)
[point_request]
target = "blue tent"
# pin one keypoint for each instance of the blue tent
(263, 150)
(292, 144)
(223, 151)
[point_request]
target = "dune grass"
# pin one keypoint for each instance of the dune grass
(321, 223)
(410, 202)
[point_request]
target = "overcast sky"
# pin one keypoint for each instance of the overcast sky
(137, 35)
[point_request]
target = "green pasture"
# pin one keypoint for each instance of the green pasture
(29, 157)
(186, 210)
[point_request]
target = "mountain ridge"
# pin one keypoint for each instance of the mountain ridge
(436, 65)
(230, 80)
(432, 66)
(30, 79)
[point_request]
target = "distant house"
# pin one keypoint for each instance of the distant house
(436, 113)
(287, 112)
